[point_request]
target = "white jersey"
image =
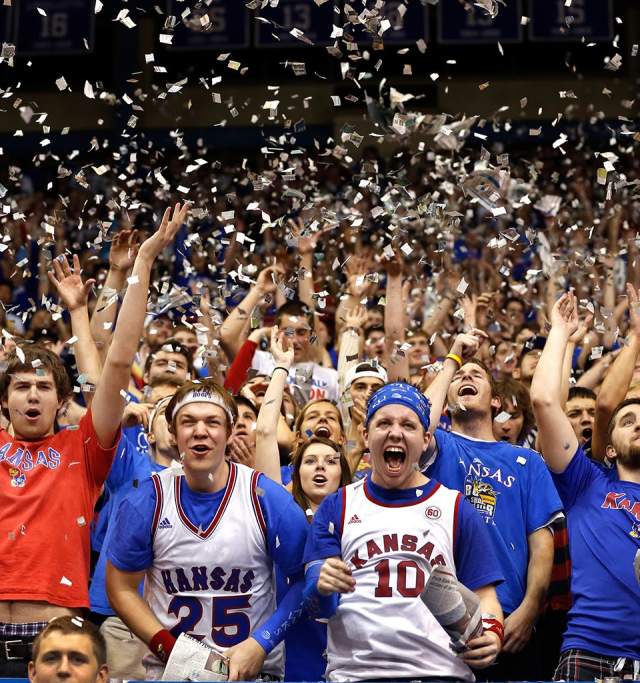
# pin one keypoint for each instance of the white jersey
(312, 380)
(216, 584)
(383, 629)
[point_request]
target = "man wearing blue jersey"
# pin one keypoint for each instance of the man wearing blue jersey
(205, 539)
(511, 488)
(374, 542)
(130, 468)
(603, 510)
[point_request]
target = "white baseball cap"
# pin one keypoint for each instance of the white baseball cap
(364, 369)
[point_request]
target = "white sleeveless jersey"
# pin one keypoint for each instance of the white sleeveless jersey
(383, 629)
(216, 584)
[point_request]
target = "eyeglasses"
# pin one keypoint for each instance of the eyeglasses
(298, 331)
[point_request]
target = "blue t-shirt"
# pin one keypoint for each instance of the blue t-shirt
(603, 516)
(511, 488)
(130, 468)
(476, 564)
(120, 473)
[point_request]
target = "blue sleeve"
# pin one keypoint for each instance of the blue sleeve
(131, 543)
(576, 479)
(543, 501)
(324, 535)
(317, 605)
(475, 558)
(286, 474)
(122, 467)
(286, 524)
(289, 612)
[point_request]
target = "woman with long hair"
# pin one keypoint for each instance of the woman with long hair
(318, 468)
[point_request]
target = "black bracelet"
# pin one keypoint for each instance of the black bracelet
(280, 367)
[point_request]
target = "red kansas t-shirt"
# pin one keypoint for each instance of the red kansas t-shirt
(48, 490)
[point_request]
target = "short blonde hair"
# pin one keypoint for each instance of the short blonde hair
(206, 384)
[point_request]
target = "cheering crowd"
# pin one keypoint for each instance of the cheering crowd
(264, 423)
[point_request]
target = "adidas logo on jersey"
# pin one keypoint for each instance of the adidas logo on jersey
(165, 524)
(355, 520)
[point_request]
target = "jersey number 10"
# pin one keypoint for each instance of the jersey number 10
(384, 589)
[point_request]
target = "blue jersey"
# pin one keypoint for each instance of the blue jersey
(130, 467)
(476, 564)
(604, 538)
(511, 488)
(305, 644)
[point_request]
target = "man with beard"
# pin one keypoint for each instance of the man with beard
(603, 509)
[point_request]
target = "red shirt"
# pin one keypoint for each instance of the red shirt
(48, 490)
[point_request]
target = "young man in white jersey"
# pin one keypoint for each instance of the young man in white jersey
(206, 538)
(375, 542)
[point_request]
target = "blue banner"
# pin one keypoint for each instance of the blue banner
(473, 25)
(295, 23)
(588, 19)
(54, 27)
(221, 24)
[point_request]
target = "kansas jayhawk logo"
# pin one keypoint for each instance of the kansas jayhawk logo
(482, 496)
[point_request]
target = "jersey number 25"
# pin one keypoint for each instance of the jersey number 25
(230, 625)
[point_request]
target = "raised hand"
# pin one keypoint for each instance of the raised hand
(281, 348)
(306, 242)
(564, 314)
(356, 318)
(577, 337)
(356, 269)
(634, 308)
(154, 245)
(265, 280)
(393, 265)
(124, 249)
(466, 345)
(72, 291)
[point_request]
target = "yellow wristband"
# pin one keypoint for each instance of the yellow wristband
(456, 358)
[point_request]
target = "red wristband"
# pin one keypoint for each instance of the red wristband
(161, 645)
(492, 624)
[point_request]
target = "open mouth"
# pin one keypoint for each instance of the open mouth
(467, 390)
(200, 449)
(32, 413)
(587, 433)
(323, 431)
(394, 458)
(319, 480)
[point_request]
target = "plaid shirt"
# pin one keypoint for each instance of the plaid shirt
(21, 631)
(559, 594)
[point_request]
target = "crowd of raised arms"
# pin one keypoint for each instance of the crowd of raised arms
(267, 443)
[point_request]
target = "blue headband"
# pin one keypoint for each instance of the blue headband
(403, 394)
